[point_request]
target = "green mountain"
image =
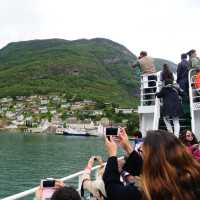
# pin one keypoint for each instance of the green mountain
(159, 63)
(91, 69)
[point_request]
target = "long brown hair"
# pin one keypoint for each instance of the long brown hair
(183, 139)
(166, 74)
(169, 171)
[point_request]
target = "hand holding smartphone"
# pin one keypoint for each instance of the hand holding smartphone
(48, 188)
(112, 131)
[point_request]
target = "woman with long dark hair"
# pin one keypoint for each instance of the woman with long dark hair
(189, 139)
(166, 74)
(169, 170)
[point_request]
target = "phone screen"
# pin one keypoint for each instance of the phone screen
(137, 143)
(111, 131)
(47, 189)
(48, 183)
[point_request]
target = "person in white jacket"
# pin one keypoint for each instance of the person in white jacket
(95, 187)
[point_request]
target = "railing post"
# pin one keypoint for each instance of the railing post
(191, 99)
(79, 184)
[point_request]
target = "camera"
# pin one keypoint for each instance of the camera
(112, 131)
(49, 182)
(48, 188)
(95, 159)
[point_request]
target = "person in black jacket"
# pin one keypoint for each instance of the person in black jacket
(172, 107)
(182, 73)
(169, 171)
(115, 189)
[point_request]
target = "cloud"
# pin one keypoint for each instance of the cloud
(19, 20)
(163, 28)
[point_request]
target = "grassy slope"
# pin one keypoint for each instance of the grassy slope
(95, 68)
(98, 69)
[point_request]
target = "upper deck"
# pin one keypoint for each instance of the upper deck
(149, 108)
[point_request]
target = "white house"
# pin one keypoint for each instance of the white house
(104, 121)
(66, 105)
(124, 110)
(29, 118)
(77, 106)
(6, 100)
(44, 101)
(97, 112)
(20, 98)
(43, 109)
(4, 109)
(53, 112)
(81, 125)
(20, 117)
(18, 123)
(56, 99)
(10, 115)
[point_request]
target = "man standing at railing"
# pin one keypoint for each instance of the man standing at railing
(182, 73)
(193, 59)
(148, 70)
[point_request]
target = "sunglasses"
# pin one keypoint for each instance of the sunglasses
(189, 135)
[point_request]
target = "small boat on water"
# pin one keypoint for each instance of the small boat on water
(75, 132)
(79, 132)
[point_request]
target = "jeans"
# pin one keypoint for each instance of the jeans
(176, 125)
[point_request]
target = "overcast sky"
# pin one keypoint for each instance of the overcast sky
(164, 28)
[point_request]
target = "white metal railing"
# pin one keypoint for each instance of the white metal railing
(33, 190)
(148, 97)
(147, 91)
(67, 178)
(157, 104)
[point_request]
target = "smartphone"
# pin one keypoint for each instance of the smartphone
(95, 159)
(111, 131)
(48, 188)
(137, 143)
(49, 182)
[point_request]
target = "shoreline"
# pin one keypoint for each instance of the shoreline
(10, 130)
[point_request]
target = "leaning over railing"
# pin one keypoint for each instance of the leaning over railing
(67, 178)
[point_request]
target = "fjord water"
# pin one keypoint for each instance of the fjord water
(25, 159)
